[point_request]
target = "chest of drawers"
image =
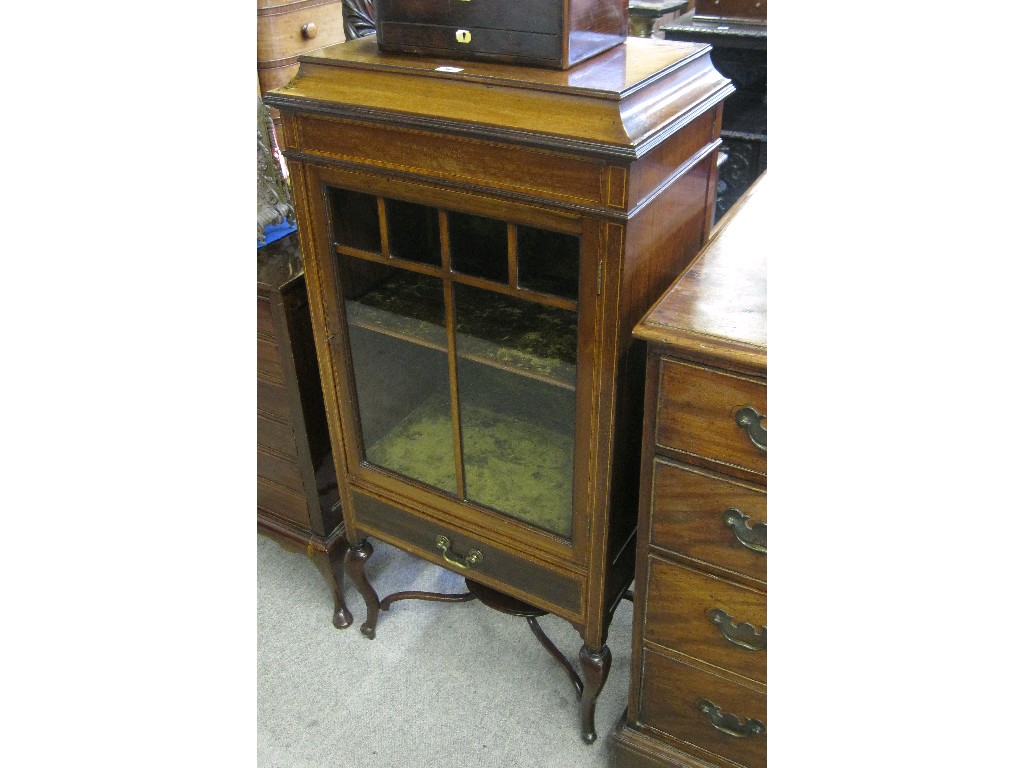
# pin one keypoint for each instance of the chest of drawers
(548, 33)
(698, 690)
(297, 500)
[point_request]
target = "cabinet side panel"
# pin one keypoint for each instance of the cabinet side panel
(661, 241)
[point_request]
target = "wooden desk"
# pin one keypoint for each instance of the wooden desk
(698, 688)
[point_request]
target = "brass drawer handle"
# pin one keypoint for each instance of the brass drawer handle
(445, 545)
(744, 635)
(730, 724)
(309, 30)
(750, 419)
(753, 537)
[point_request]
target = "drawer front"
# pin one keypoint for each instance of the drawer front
(268, 360)
(282, 503)
(697, 414)
(734, 9)
(276, 435)
(478, 40)
(280, 470)
(285, 35)
(543, 16)
(272, 400)
(543, 587)
(712, 520)
(265, 320)
(673, 700)
(705, 617)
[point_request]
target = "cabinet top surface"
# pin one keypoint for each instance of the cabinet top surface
(611, 75)
(718, 308)
(279, 262)
(619, 104)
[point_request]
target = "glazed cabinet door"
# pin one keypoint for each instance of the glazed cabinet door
(463, 333)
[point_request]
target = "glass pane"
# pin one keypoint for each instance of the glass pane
(355, 220)
(518, 420)
(400, 363)
(549, 262)
(479, 246)
(413, 232)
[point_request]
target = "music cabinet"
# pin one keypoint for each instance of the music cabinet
(479, 240)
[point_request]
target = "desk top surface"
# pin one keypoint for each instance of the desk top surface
(717, 309)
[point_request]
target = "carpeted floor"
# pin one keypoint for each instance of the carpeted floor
(441, 684)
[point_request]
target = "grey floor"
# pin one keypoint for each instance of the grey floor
(457, 684)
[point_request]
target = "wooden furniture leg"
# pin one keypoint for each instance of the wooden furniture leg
(355, 564)
(595, 665)
(331, 566)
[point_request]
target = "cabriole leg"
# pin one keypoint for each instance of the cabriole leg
(595, 665)
(355, 565)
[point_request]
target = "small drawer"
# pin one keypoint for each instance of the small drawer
(708, 618)
(698, 414)
(272, 400)
(286, 35)
(716, 521)
(268, 360)
(459, 41)
(276, 435)
(543, 16)
(280, 502)
(265, 320)
(496, 567)
(280, 470)
(693, 707)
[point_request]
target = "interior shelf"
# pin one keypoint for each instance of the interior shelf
(511, 334)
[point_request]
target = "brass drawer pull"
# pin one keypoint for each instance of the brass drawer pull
(744, 635)
(753, 537)
(474, 556)
(730, 724)
(750, 419)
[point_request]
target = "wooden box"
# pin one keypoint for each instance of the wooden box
(547, 33)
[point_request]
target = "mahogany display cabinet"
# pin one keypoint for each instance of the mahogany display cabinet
(479, 240)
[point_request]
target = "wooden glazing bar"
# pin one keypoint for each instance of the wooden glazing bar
(453, 373)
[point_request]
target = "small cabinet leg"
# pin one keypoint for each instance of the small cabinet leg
(595, 665)
(331, 566)
(355, 562)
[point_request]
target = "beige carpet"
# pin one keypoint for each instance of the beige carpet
(455, 684)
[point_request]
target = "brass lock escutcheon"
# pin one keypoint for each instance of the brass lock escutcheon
(463, 35)
(473, 557)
